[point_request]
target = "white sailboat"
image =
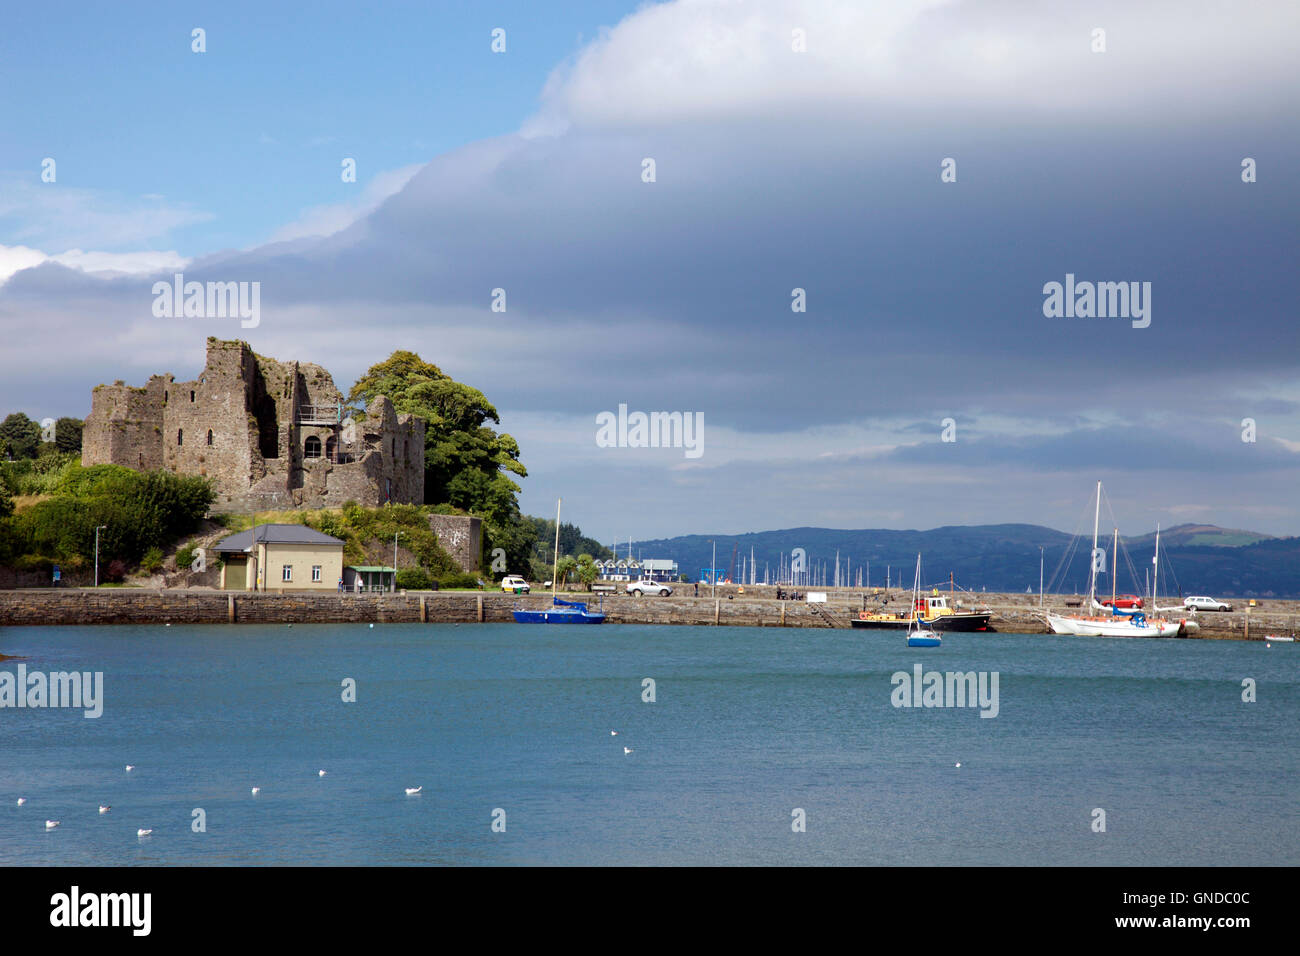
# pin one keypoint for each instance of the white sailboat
(1105, 621)
(918, 636)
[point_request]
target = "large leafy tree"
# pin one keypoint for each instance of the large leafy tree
(19, 436)
(467, 464)
(67, 434)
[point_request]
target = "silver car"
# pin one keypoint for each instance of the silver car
(646, 586)
(1206, 604)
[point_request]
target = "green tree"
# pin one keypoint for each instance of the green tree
(19, 436)
(67, 434)
(6, 502)
(566, 566)
(466, 463)
(587, 570)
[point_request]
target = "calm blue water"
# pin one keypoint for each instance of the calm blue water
(749, 723)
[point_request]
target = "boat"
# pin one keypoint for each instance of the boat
(1282, 638)
(559, 611)
(1108, 620)
(921, 636)
(935, 612)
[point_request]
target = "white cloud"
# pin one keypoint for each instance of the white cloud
(694, 59)
(102, 264)
(326, 220)
(55, 216)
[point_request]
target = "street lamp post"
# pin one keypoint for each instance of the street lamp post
(713, 567)
(395, 537)
(98, 529)
(1040, 575)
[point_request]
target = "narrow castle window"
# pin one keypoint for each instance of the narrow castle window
(165, 393)
(209, 437)
(191, 395)
(311, 448)
(180, 436)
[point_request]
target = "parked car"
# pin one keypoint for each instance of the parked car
(1125, 600)
(646, 586)
(1206, 604)
(515, 584)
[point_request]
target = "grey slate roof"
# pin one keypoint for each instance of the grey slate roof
(274, 534)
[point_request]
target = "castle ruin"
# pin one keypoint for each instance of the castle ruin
(267, 434)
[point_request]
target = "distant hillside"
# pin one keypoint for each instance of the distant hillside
(1195, 559)
(1194, 535)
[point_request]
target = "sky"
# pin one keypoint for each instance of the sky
(922, 170)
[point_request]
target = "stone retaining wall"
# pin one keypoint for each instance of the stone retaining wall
(72, 606)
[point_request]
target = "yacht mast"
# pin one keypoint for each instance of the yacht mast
(1092, 578)
(555, 558)
(1114, 569)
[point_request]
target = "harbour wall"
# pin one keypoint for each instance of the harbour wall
(74, 606)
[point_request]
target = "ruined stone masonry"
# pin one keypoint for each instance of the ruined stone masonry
(268, 434)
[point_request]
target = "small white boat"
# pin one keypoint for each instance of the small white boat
(1280, 638)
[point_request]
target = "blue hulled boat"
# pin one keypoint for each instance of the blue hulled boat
(561, 612)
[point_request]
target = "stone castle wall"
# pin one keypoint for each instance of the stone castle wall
(244, 424)
(461, 537)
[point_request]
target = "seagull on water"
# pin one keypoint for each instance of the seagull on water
(51, 824)
(104, 808)
(412, 791)
(21, 801)
(130, 767)
(959, 765)
(256, 791)
(142, 832)
(320, 773)
(626, 751)
(613, 733)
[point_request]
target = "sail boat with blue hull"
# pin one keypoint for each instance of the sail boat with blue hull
(918, 636)
(560, 611)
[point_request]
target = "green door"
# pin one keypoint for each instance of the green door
(237, 574)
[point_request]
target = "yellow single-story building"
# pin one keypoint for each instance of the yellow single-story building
(280, 557)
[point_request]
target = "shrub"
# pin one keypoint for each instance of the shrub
(185, 556)
(114, 571)
(414, 579)
(152, 561)
(458, 579)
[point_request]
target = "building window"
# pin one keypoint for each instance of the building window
(191, 396)
(165, 393)
(311, 448)
(331, 446)
(180, 437)
(316, 573)
(209, 436)
(286, 573)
